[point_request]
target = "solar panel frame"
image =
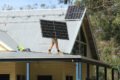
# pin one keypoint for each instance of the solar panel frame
(51, 29)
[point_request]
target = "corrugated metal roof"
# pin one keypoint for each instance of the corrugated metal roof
(24, 28)
(7, 40)
(41, 56)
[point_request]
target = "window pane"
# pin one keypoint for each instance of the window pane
(44, 77)
(4, 77)
(69, 77)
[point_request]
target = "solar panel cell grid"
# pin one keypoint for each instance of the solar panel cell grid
(74, 12)
(51, 29)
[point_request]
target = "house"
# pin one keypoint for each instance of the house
(80, 61)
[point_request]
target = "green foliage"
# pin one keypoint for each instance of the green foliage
(104, 13)
(108, 53)
(116, 33)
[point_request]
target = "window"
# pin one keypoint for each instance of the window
(44, 77)
(83, 49)
(80, 46)
(20, 77)
(4, 77)
(69, 77)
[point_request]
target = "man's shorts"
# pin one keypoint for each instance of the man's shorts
(54, 40)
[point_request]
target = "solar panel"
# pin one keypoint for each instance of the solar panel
(74, 12)
(51, 29)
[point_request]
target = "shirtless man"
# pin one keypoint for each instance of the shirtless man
(54, 41)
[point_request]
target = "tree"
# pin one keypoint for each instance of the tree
(7, 7)
(42, 5)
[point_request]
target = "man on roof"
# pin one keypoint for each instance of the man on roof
(54, 42)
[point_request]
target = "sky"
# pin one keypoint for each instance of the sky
(18, 3)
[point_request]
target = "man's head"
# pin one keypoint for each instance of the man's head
(54, 34)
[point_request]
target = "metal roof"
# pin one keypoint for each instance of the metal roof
(7, 40)
(24, 28)
(42, 56)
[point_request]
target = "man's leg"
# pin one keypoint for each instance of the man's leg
(57, 46)
(52, 44)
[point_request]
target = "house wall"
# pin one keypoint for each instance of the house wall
(83, 71)
(20, 68)
(8, 68)
(58, 70)
(13, 69)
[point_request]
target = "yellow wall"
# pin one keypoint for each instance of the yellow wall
(83, 71)
(8, 68)
(58, 70)
(84, 67)
(20, 68)
(12, 68)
